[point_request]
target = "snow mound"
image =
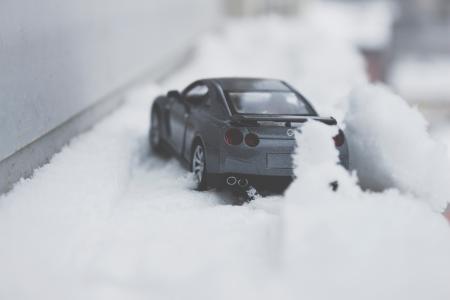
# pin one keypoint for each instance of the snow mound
(390, 147)
(352, 244)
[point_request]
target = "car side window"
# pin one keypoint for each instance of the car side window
(209, 102)
(198, 91)
(215, 104)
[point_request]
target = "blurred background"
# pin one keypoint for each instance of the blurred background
(66, 64)
(406, 43)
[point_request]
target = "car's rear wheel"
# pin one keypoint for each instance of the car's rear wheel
(198, 167)
(155, 132)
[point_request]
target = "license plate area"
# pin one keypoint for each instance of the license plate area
(279, 161)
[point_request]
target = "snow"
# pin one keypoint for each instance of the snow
(107, 219)
(352, 244)
(391, 147)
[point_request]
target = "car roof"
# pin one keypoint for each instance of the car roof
(250, 84)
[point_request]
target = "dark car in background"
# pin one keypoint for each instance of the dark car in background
(232, 131)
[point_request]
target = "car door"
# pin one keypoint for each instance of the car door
(179, 114)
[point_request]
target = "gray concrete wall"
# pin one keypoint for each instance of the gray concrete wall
(58, 58)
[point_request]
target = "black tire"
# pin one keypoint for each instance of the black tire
(198, 167)
(155, 139)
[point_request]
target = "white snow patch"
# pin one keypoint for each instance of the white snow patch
(106, 219)
(390, 147)
(352, 244)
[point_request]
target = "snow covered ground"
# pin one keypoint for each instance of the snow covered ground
(107, 219)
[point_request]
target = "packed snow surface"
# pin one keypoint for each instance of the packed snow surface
(107, 219)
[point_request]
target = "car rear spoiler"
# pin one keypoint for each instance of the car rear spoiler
(281, 118)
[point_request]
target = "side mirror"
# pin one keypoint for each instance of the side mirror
(174, 94)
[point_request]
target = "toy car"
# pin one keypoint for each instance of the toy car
(231, 131)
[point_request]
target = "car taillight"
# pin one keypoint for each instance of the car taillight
(339, 139)
(251, 140)
(233, 136)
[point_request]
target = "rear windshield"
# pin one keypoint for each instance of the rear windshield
(273, 103)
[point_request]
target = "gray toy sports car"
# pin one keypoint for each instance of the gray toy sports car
(234, 131)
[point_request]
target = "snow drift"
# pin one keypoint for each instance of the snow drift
(390, 147)
(352, 244)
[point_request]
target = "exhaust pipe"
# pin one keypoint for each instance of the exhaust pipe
(231, 180)
(243, 182)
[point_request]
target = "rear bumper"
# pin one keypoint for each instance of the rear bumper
(269, 158)
(262, 183)
(260, 160)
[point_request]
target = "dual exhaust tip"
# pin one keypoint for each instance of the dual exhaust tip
(232, 181)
